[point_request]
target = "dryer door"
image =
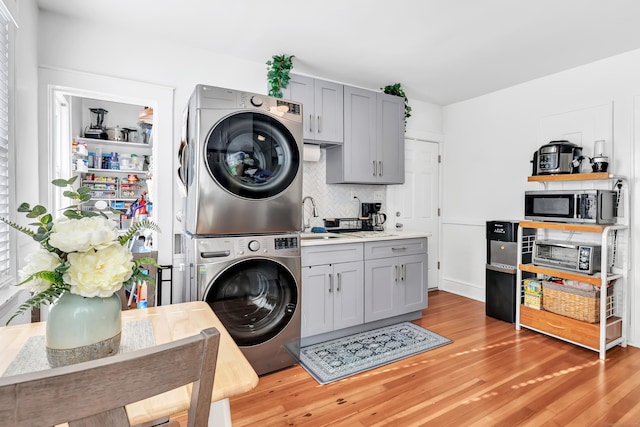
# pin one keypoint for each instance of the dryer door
(252, 155)
(254, 299)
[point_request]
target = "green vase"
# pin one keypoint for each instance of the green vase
(81, 329)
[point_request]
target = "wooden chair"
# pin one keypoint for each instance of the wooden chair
(94, 394)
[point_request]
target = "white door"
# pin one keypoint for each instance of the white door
(414, 204)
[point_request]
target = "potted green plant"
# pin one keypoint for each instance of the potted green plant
(278, 74)
(396, 90)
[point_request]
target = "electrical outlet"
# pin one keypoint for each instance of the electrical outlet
(378, 196)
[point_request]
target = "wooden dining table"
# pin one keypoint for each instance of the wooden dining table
(234, 375)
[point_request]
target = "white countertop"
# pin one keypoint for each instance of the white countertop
(315, 239)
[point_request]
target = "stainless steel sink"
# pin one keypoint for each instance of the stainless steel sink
(318, 236)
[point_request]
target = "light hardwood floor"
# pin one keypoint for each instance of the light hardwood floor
(491, 375)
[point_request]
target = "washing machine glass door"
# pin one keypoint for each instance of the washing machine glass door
(254, 299)
(252, 155)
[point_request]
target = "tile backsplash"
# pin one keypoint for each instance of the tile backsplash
(333, 200)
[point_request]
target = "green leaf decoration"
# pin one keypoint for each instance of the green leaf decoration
(39, 210)
(278, 73)
(62, 182)
(145, 224)
(48, 296)
(396, 89)
(18, 227)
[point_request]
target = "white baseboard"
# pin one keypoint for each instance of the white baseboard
(463, 289)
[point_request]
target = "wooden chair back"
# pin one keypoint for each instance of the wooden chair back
(94, 394)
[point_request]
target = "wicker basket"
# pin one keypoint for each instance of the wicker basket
(575, 303)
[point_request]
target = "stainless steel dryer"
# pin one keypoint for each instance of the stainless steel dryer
(252, 283)
(241, 163)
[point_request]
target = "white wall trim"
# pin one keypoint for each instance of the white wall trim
(114, 79)
(467, 290)
(426, 136)
(472, 222)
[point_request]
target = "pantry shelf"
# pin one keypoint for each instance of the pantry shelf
(110, 143)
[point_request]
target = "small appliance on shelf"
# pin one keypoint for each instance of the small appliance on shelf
(557, 157)
(97, 130)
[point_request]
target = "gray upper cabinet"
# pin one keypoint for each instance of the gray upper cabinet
(373, 149)
(390, 142)
(322, 108)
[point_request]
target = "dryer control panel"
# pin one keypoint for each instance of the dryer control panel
(221, 249)
(279, 245)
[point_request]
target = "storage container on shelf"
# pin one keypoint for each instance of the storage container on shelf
(533, 293)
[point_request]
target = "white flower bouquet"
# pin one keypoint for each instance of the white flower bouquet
(80, 253)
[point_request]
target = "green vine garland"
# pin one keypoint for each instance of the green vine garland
(396, 90)
(278, 74)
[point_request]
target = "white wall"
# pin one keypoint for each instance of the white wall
(489, 142)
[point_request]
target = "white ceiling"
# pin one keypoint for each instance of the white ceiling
(442, 51)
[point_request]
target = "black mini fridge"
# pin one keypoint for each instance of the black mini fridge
(502, 257)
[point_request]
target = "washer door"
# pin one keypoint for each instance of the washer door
(252, 155)
(254, 299)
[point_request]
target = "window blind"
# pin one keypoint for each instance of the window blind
(5, 261)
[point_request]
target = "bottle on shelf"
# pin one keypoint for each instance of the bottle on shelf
(97, 161)
(115, 162)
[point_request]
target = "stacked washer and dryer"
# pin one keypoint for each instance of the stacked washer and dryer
(241, 166)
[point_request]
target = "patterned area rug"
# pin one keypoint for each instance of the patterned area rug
(336, 359)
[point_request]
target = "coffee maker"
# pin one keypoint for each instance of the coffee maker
(371, 211)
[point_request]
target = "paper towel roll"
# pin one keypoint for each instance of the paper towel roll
(311, 153)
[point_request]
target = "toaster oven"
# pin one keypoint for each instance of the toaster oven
(572, 256)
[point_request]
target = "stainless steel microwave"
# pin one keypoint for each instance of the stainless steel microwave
(579, 257)
(579, 206)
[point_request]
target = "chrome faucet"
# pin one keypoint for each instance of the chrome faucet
(314, 212)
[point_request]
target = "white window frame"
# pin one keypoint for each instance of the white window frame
(8, 274)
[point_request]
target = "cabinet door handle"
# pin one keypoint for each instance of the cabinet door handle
(330, 283)
(396, 278)
(380, 168)
(339, 282)
(399, 248)
(402, 272)
(311, 123)
(374, 168)
(319, 127)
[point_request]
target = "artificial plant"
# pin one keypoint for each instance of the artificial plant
(278, 74)
(396, 90)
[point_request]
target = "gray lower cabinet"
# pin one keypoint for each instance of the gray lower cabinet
(332, 297)
(373, 149)
(351, 284)
(322, 108)
(332, 288)
(395, 278)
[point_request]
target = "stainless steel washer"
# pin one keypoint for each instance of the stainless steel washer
(252, 283)
(241, 163)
